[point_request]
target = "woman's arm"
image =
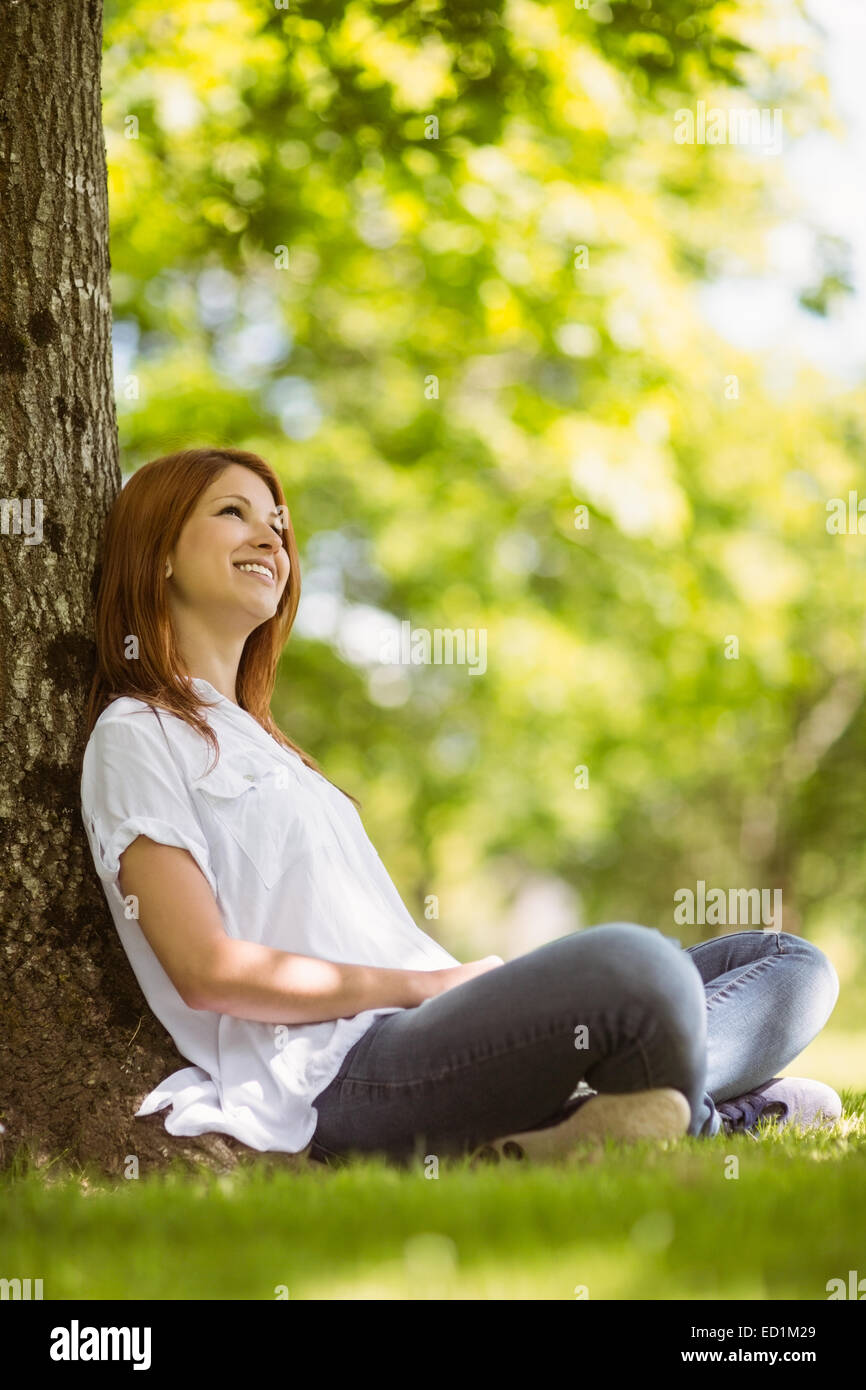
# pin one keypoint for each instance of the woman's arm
(180, 919)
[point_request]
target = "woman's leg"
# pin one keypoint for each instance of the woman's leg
(768, 995)
(619, 1006)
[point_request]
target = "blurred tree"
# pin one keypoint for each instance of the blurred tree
(440, 264)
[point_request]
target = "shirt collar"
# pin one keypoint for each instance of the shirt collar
(203, 687)
(228, 707)
(248, 723)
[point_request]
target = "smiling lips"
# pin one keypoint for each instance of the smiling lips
(260, 572)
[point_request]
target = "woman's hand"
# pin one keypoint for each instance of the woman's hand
(433, 982)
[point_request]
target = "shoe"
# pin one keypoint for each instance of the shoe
(787, 1100)
(658, 1114)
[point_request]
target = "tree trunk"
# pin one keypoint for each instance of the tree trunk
(79, 1048)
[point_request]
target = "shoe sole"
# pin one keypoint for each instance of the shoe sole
(659, 1114)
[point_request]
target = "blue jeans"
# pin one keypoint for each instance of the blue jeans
(620, 1007)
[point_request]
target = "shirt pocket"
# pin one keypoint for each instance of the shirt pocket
(266, 813)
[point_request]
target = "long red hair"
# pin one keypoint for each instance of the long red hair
(145, 521)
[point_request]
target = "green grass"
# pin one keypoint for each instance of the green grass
(643, 1222)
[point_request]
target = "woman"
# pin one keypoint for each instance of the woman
(270, 941)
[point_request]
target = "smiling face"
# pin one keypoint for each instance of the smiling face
(229, 567)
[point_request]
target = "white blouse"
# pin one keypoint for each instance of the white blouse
(291, 867)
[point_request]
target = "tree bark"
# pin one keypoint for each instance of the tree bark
(79, 1048)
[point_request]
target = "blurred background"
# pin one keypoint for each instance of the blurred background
(536, 362)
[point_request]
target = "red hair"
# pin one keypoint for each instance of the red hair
(144, 524)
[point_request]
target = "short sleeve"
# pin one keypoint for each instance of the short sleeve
(131, 785)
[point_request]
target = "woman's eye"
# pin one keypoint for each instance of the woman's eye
(233, 507)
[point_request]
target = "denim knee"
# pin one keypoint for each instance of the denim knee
(823, 971)
(663, 979)
(659, 971)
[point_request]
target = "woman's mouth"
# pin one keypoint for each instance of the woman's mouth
(260, 572)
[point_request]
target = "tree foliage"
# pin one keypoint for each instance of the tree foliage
(441, 265)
